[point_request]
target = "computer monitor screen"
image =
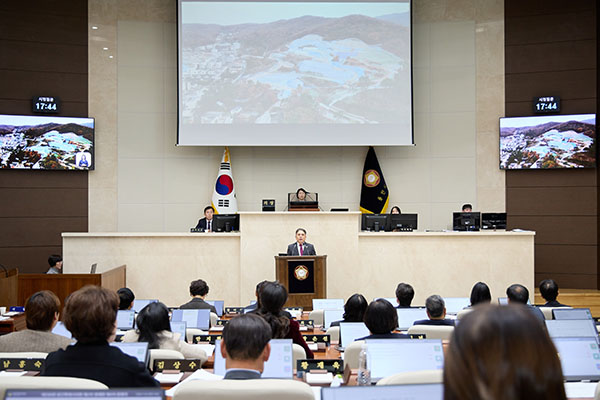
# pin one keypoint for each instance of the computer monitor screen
(392, 300)
(466, 221)
(572, 328)
(350, 331)
(138, 304)
(179, 327)
(455, 304)
(408, 316)
(374, 222)
(279, 364)
(503, 301)
(572, 313)
(311, 200)
(579, 358)
(85, 394)
(226, 222)
(493, 221)
(402, 222)
(325, 304)
(193, 318)
(427, 391)
(218, 304)
(391, 356)
(138, 350)
(125, 319)
(61, 329)
(330, 316)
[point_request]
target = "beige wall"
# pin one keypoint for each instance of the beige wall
(143, 182)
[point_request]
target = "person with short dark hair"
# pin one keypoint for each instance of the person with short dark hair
(549, 291)
(90, 314)
(436, 312)
(126, 298)
(245, 346)
(205, 224)
(41, 315)
(480, 294)
(354, 309)
(301, 247)
(381, 319)
(467, 207)
(55, 261)
(301, 194)
(500, 353)
(404, 295)
(518, 294)
(198, 291)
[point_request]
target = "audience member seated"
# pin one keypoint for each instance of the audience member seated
(126, 298)
(90, 314)
(198, 291)
(480, 294)
(273, 296)
(501, 353)
(381, 319)
(549, 291)
(154, 327)
(520, 295)
(436, 312)
(41, 315)
(404, 295)
(55, 261)
(254, 307)
(467, 207)
(354, 309)
(245, 346)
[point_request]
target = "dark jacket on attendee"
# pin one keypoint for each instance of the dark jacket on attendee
(554, 303)
(386, 336)
(198, 304)
(442, 322)
(240, 374)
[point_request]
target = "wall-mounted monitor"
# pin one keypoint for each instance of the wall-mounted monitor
(546, 142)
(56, 143)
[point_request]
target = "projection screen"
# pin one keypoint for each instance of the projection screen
(294, 73)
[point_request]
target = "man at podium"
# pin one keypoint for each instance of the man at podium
(301, 247)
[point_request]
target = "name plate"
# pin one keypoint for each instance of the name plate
(177, 365)
(234, 310)
(309, 323)
(317, 339)
(333, 366)
(419, 336)
(222, 322)
(206, 338)
(23, 364)
(294, 309)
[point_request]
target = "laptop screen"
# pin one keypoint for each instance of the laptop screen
(392, 300)
(328, 304)
(455, 304)
(350, 331)
(579, 357)
(430, 391)
(572, 313)
(179, 327)
(87, 394)
(61, 329)
(330, 316)
(125, 319)
(408, 316)
(138, 304)
(218, 304)
(194, 318)
(572, 328)
(138, 350)
(279, 364)
(391, 356)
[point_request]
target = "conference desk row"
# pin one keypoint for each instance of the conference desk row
(162, 264)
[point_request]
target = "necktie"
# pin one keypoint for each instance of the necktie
(301, 250)
(209, 224)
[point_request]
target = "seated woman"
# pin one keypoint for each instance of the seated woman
(381, 319)
(154, 327)
(480, 294)
(272, 298)
(502, 353)
(354, 309)
(91, 315)
(395, 210)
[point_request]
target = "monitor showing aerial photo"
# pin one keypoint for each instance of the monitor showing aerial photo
(543, 142)
(294, 73)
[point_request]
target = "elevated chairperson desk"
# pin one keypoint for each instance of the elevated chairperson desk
(161, 265)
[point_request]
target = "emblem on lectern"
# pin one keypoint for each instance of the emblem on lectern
(301, 272)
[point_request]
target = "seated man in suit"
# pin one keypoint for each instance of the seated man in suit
(381, 319)
(301, 247)
(41, 315)
(126, 298)
(467, 208)
(245, 346)
(404, 295)
(518, 294)
(549, 291)
(206, 223)
(436, 311)
(198, 291)
(55, 261)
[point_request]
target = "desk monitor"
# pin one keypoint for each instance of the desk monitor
(125, 320)
(61, 329)
(579, 357)
(218, 304)
(426, 391)
(401, 222)
(138, 350)
(199, 319)
(571, 313)
(392, 300)
(93, 268)
(350, 331)
(455, 304)
(88, 394)
(179, 327)
(374, 222)
(138, 304)
(466, 221)
(572, 328)
(330, 316)
(493, 221)
(503, 301)
(392, 356)
(226, 222)
(327, 304)
(408, 316)
(279, 364)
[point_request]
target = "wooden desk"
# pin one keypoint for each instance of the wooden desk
(16, 323)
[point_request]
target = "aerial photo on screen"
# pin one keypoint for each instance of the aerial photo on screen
(31, 142)
(557, 141)
(279, 63)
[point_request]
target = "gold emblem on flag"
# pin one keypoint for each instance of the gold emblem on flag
(301, 272)
(372, 178)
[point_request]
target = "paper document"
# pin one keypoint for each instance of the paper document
(198, 375)
(168, 378)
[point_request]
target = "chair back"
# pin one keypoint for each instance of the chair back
(249, 389)
(547, 311)
(213, 319)
(298, 353)
(190, 332)
(47, 382)
(432, 331)
(164, 354)
(352, 352)
(334, 333)
(414, 378)
(316, 316)
(463, 312)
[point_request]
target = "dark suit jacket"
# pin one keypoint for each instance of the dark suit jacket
(202, 224)
(198, 304)
(242, 374)
(443, 322)
(100, 362)
(554, 304)
(385, 336)
(309, 250)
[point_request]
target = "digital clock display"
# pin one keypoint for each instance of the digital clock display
(546, 105)
(46, 104)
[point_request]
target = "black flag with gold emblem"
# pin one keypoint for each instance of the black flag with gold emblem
(374, 195)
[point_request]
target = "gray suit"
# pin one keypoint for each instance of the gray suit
(309, 249)
(30, 340)
(242, 374)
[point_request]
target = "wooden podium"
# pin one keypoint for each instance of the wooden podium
(304, 277)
